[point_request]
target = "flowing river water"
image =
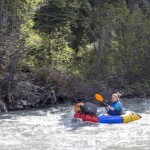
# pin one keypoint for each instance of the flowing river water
(54, 129)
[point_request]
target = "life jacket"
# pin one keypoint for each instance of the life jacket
(117, 108)
(86, 108)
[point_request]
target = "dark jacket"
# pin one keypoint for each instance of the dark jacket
(89, 108)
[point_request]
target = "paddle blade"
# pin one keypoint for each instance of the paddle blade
(99, 97)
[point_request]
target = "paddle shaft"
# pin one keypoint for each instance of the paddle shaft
(105, 104)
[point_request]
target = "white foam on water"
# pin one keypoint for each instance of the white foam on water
(55, 129)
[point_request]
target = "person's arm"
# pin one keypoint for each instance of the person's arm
(116, 107)
(110, 107)
(110, 110)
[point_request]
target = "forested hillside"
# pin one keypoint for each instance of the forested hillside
(57, 50)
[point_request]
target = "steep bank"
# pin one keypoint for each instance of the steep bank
(40, 88)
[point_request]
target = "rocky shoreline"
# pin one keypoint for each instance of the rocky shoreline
(28, 95)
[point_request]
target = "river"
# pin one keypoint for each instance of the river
(53, 129)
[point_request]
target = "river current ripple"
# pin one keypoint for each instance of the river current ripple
(54, 129)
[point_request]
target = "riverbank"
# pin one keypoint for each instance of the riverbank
(38, 91)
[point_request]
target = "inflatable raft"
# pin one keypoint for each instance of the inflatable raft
(128, 116)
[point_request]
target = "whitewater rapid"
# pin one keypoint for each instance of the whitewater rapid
(54, 129)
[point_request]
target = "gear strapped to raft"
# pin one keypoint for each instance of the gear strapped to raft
(86, 108)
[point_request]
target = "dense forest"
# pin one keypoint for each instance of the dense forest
(57, 50)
